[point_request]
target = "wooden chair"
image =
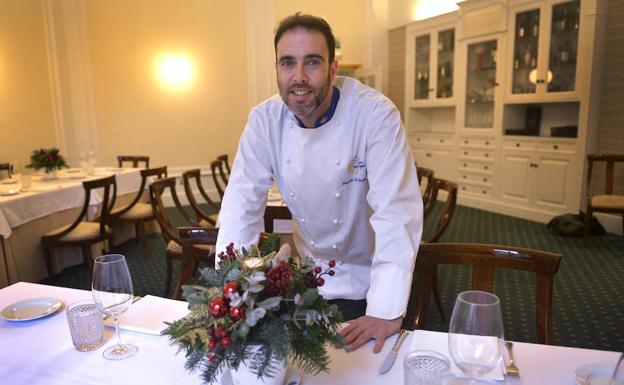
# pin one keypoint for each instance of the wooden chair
(484, 260)
(218, 176)
(435, 185)
(121, 159)
(173, 249)
(271, 213)
(82, 232)
(6, 167)
(226, 163)
(206, 220)
(198, 244)
(427, 173)
(607, 202)
(138, 212)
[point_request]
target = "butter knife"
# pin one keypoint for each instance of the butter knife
(387, 364)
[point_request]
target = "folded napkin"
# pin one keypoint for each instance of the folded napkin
(438, 342)
(149, 314)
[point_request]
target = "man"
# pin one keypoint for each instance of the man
(339, 154)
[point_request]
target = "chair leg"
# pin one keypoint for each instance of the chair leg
(47, 256)
(146, 252)
(168, 277)
(436, 294)
(186, 273)
(587, 224)
(86, 255)
(138, 234)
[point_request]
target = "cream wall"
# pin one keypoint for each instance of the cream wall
(137, 116)
(26, 118)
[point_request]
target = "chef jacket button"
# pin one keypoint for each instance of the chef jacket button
(292, 194)
(303, 220)
(312, 243)
(337, 163)
(337, 195)
(288, 160)
(334, 247)
(335, 221)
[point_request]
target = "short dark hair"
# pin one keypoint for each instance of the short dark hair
(308, 22)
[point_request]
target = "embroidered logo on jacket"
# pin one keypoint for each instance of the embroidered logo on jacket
(356, 170)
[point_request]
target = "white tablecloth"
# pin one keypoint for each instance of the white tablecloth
(41, 352)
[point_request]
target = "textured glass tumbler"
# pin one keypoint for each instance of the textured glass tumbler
(85, 325)
(425, 367)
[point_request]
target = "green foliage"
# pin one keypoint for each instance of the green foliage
(48, 159)
(294, 325)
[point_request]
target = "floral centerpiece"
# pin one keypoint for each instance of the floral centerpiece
(48, 159)
(259, 309)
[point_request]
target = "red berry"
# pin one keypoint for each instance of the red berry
(226, 341)
(220, 332)
(319, 281)
(212, 345)
(332, 263)
(331, 273)
(318, 270)
(230, 288)
(236, 313)
(212, 356)
(218, 308)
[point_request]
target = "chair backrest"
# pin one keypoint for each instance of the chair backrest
(427, 173)
(192, 236)
(158, 172)
(271, 213)
(8, 167)
(157, 189)
(135, 159)
(218, 176)
(485, 259)
(610, 160)
(226, 163)
(187, 178)
(448, 210)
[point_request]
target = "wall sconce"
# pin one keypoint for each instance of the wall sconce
(174, 72)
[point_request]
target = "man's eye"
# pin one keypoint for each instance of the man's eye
(287, 63)
(313, 62)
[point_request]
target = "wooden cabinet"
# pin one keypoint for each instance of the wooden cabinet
(434, 152)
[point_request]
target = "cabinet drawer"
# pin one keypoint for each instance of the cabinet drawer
(478, 154)
(481, 167)
(524, 145)
(481, 191)
(441, 141)
(559, 148)
(476, 143)
(418, 139)
(469, 178)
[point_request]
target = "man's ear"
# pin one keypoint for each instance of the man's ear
(333, 70)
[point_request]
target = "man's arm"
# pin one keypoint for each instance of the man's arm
(242, 207)
(394, 196)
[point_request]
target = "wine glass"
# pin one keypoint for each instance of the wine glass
(476, 333)
(112, 293)
(618, 374)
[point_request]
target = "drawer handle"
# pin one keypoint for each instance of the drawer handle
(485, 167)
(464, 188)
(555, 147)
(487, 155)
(487, 143)
(465, 142)
(465, 152)
(464, 176)
(485, 179)
(441, 140)
(517, 144)
(484, 192)
(428, 155)
(465, 165)
(418, 139)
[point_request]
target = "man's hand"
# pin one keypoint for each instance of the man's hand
(365, 328)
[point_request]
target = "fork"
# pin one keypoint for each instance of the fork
(510, 367)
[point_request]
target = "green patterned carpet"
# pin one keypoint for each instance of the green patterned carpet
(589, 290)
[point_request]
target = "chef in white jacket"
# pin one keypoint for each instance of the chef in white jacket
(339, 154)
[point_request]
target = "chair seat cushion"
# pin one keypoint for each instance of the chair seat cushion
(82, 232)
(174, 247)
(205, 223)
(138, 211)
(608, 201)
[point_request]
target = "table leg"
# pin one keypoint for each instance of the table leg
(5, 258)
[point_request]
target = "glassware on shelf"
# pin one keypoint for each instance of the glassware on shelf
(446, 43)
(525, 51)
(480, 84)
(423, 51)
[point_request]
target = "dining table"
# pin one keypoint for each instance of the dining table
(40, 351)
(27, 213)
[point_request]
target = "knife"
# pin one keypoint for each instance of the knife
(387, 364)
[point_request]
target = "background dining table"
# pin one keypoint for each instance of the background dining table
(41, 352)
(44, 206)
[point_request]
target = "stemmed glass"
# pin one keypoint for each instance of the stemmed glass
(476, 333)
(112, 294)
(618, 374)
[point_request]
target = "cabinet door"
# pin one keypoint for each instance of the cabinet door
(445, 63)
(422, 67)
(422, 157)
(480, 84)
(553, 181)
(442, 163)
(526, 42)
(563, 47)
(515, 181)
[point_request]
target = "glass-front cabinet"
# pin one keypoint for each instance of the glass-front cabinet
(544, 47)
(431, 79)
(481, 67)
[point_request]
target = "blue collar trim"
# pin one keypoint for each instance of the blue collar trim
(328, 114)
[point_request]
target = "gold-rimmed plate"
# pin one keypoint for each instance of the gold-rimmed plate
(31, 309)
(12, 191)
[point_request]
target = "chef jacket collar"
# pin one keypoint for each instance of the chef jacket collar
(328, 114)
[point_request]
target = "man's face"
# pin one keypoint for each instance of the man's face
(304, 75)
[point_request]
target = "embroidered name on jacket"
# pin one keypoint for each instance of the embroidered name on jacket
(356, 170)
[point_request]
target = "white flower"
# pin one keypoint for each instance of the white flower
(252, 316)
(270, 303)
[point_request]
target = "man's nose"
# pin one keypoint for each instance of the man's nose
(300, 75)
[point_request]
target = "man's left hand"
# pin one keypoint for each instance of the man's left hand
(361, 330)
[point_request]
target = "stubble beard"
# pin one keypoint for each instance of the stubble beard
(305, 110)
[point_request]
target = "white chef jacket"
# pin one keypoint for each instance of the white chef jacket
(350, 185)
